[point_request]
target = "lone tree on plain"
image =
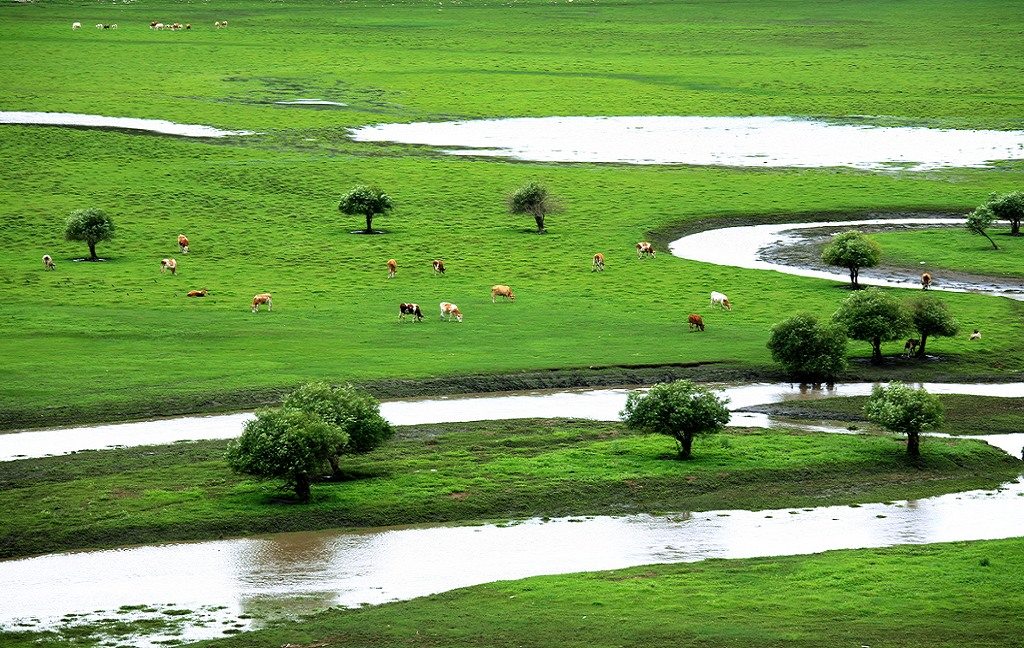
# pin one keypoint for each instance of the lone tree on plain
(287, 444)
(873, 316)
(1009, 207)
(90, 226)
(533, 199)
(353, 411)
(931, 317)
(678, 409)
(367, 202)
(809, 350)
(853, 251)
(979, 220)
(904, 410)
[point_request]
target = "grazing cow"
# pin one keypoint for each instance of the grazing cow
(153, 24)
(502, 291)
(76, 25)
(976, 335)
(910, 347)
(48, 263)
(392, 268)
(188, 25)
(439, 266)
(926, 280)
(449, 309)
(220, 24)
(718, 299)
(696, 321)
(99, 26)
(262, 298)
(169, 264)
(410, 309)
(644, 248)
(114, 26)
(197, 293)
(158, 26)
(598, 263)
(183, 243)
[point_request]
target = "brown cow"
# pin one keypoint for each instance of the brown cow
(910, 347)
(926, 280)
(262, 298)
(502, 291)
(392, 268)
(169, 264)
(410, 309)
(48, 263)
(197, 293)
(644, 248)
(696, 321)
(439, 266)
(183, 243)
(598, 263)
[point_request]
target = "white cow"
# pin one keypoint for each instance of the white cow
(720, 300)
(76, 25)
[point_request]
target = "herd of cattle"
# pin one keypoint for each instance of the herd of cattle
(176, 26)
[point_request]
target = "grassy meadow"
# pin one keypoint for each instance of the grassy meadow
(118, 339)
(958, 250)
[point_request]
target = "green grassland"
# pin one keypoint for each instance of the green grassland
(118, 339)
(466, 472)
(955, 249)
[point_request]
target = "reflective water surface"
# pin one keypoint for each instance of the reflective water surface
(128, 123)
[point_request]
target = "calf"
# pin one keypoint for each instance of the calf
(262, 298)
(598, 263)
(183, 243)
(448, 310)
(910, 347)
(197, 293)
(169, 264)
(718, 299)
(48, 263)
(926, 280)
(439, 266)
(502, 291)
(392, 268)
(410, 309)
(644, 248)
(696, 321)
(976, 335)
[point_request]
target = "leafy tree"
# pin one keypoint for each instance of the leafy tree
(980, 220)
(678, 409)
(352, 410)
(853, 251)
(904, 410)
(1008, 207)
(287, 444)
(873, 316)
(90, 226)
(809, 350)
(366, 201)
(533, 199)
(931, 317)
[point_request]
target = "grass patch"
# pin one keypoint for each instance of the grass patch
(954, 249)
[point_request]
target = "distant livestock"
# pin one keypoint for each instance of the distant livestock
(220, 24)
(153, 24)
(448, 310)
(410, 309)
(197, 293)
(169, 264)
(188, 25)
(720, 300)
(392, 268)
(910, 346)
(643, 249)
(48, 263)
(976, 335)
(158, 25)
(502, 291)
(183, 243)
(76, 25)
(439, 266)
(926, 280)
(598, 263)
(99, 26)
(696, 322)
(262, 298)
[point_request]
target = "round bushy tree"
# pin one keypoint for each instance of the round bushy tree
(1008, 207)
(873, 316)
(91, 226)
(809, 350)
(533, 199)
(904, 410)
(679, 409)
(931, 317)
(286, 444)
(367, 202)
(853, 251)
(978, 222)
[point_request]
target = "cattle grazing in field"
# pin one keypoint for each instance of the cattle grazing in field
(153, 24)
(439, 266)
(598, 263)
(976, 335)
(392, 268)
(910, 347)
(502, 291)
(220, 24)
(158, 26)
(76, 25)
(183, 243)
(99, 26)
(644, 248)
(410, 309)
(696, 322)
(188, 25)
(720, 300)
(197, 293)
(926, 280)
(48, 263)
(262, 298)
(169, 264)
(448, 310)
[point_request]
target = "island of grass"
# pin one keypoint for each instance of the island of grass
(954, 250)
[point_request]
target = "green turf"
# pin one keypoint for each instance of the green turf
(955, 249)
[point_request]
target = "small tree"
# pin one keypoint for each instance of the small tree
(90, 226)
(287, 444)
(980, 220)
(366, 201)
(853, 251)
(678, 409)
(809, 350)
(904, 410)
(354, 411)
(533, 199)
(931, 317)
(873, 316)
(1009, 207)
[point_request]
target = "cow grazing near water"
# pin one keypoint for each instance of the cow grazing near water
(439, 266)
(910, 346)
(410, 309)
(644, 248)
(262, 298)
(926, 280)
(696, 321)
(169, 264)
(598, 263)
(502, 291)
(720, 300)
(392, 268)
(183, 243)
(48, 263)
(197, 293)
(449, 310)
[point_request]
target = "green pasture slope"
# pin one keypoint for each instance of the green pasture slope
(956, 249)
(118, 339)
